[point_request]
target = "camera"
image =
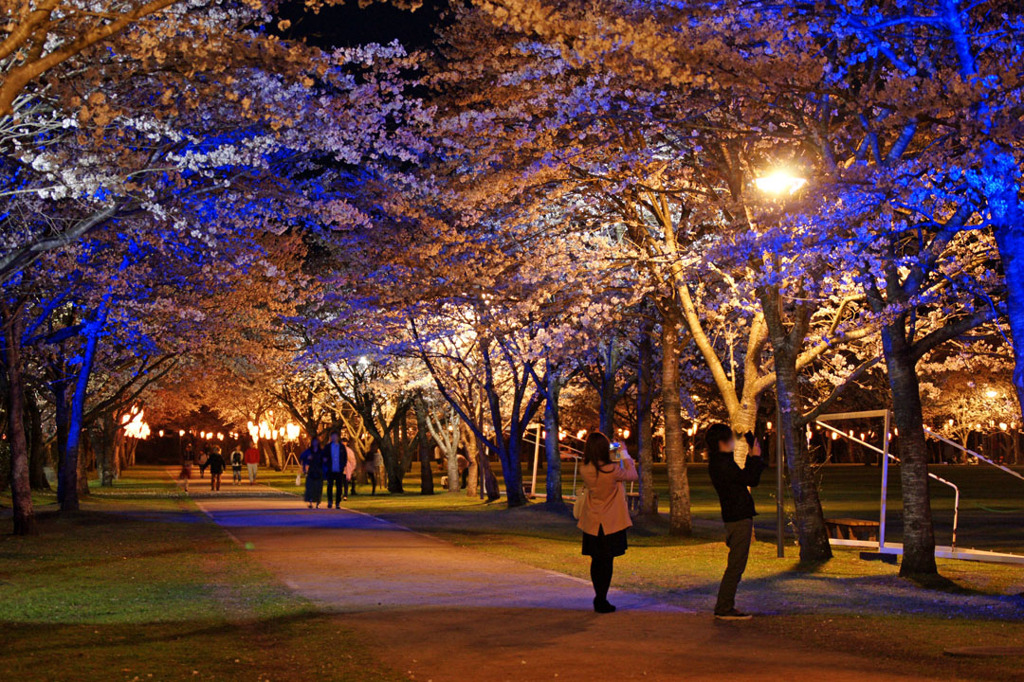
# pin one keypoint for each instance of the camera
(615, 452)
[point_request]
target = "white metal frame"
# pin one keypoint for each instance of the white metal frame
(951, 552)
(537, 436)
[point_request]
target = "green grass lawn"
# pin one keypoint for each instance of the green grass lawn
(991, 504)
(150, 589)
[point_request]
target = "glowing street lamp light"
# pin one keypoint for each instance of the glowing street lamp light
(992, 393)
(780, 182)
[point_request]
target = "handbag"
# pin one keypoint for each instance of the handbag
(581, 499)
(298, 478)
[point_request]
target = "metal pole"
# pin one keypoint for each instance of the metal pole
(885, 480)
(780, 522)
(536, 454)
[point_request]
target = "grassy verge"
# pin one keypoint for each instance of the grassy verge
(138, 590)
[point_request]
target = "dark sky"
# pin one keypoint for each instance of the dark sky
(347, 25)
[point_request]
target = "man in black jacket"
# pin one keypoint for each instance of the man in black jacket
(732, 485)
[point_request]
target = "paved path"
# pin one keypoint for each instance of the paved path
(440, 612)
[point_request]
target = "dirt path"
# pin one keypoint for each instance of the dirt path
(441, 612)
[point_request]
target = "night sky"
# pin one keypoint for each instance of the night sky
(347, 25)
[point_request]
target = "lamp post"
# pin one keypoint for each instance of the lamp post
(779, 184)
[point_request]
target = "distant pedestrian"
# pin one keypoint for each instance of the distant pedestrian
(237, 459)
(204, 459)
(252, 462)
(335, 461)
(605, 514)
(216, 464)
(312, 461)
(733, 487)
(379, 469)
(463, 463)
(370, 469)
(350, 468)
(187, 460)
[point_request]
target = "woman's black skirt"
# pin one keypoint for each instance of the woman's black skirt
(604, 546)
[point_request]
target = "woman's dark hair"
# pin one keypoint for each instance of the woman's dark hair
(717, 434)
(597, 450)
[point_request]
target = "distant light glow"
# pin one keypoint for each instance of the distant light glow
(135, 427)
(780, 182)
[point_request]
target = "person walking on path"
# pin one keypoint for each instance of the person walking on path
(187, 460)
(350, 469)
(604, 517)
(252, 462)
(312, 461)
(463, 464)
(236, 465)
(335, 461)
(370, 469)
(204, 459)
(216, 464)
(733, 487)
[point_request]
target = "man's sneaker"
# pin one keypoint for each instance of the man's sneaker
(733, 615)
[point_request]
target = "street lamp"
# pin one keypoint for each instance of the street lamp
(780, 182)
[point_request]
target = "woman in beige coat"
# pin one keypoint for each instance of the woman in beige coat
(605, 514)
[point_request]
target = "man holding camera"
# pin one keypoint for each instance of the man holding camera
(733, 487)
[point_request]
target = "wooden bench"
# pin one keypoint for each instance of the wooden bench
(633, 502)
(852, 529)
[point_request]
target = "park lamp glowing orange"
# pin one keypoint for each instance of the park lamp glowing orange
(780, 182)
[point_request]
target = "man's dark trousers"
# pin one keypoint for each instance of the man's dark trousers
(737, 539)
(335, 485)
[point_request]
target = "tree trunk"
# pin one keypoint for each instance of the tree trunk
(489, 480)
(473, 475)
(86, 461)
(394, 465)
(918, 532)
(552, 447)
(104, 444)
(1010, 239)
(512, 468)
(279, 456)
(680, 522)
(645, 426)
(424, 448)
(21, 490)
(59, 389)
(810, 519)
(811, 532)
(609, 398)
(70, 481)
(36, 451)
